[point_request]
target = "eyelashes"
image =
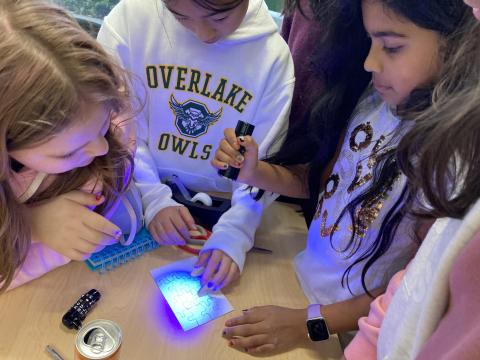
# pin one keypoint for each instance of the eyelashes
(392, 50)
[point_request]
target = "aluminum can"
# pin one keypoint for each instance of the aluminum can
(98, 340)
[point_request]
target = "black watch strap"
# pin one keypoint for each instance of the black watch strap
(316, 325)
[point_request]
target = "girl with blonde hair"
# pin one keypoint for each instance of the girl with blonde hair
(64, 130)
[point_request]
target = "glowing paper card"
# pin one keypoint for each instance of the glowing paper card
(180, 290)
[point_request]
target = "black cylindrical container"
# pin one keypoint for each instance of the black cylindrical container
(73, 318)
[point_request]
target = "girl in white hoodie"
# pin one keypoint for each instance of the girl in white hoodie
(205, 65)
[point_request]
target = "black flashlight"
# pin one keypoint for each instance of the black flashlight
(242, 129)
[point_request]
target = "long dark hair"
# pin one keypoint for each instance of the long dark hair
(441, 153)
(338, 59)
(449, 19)
(217, 7)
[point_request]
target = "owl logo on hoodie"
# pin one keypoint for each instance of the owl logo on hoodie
(193, 118)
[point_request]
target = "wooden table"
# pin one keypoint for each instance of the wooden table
(30, 316)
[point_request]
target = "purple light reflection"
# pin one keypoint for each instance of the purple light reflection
(166, 325)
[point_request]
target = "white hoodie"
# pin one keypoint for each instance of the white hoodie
(195, 91)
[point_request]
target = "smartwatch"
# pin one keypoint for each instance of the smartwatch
(316, 325)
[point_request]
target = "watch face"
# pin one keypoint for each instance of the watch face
(317, 329)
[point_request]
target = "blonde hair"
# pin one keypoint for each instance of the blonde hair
(49, 69)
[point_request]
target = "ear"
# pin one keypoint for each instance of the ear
(202, 198)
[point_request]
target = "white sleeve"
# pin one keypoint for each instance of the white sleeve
(235, 231)
(155, 195)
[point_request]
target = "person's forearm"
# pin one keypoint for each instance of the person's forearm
(289, 181)
(343, 316)
(340, 317)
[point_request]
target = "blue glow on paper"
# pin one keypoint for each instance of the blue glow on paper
(180, 290)
(163, 324)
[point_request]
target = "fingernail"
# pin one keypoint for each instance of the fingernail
(118, 233)
(197, 271)
(239, 158)
(241, 138)
(98, 197)
(203, 291)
